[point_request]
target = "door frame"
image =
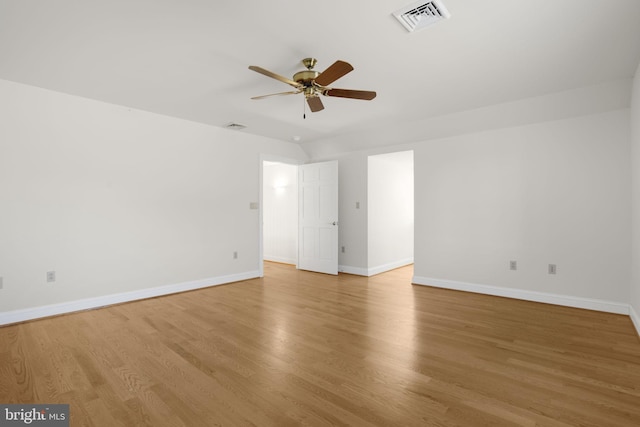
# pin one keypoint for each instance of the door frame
(277, 159)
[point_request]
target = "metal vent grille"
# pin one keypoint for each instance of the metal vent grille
(417, 16)
(235, 126)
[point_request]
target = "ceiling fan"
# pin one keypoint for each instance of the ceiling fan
(312, 83)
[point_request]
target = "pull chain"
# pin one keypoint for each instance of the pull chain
(304, 108)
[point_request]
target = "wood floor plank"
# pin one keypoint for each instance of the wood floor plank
(299, 348)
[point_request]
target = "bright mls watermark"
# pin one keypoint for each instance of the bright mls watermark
(34, 415)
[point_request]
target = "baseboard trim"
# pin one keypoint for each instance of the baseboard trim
(635, 319)
(564, 300)
(390, 266)
(368, 272)
(358, 271)
(26, 314)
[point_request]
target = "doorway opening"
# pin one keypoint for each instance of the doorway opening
(390, 214)
(299, 215)
(280, 212)
(390, 206)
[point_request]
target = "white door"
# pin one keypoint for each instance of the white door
(318, 217)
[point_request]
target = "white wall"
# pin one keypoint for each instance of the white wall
(119, 201)
(557, 191)
(635, 166)
(390, 211)
(280, 212)
(352, 190)
(554, 192)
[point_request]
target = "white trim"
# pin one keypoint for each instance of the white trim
(358, 271)
(565, 300)
(635, 319)
(390, 266)
(15, 316)
(368, 272)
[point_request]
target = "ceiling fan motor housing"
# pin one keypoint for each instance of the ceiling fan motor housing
(305, 77)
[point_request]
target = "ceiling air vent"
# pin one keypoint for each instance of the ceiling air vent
(235, 126)
(419, 15)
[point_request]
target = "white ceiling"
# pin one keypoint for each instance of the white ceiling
(189, 58)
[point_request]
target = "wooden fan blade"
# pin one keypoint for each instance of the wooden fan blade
(293, 92)
(315, 104)
(333, 73)
(348, 93)
(274, 75)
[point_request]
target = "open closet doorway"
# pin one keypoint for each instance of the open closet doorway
(390, 211)
(280, 212)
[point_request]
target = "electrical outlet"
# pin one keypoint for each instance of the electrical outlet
(552, 269)
(51, 276)
(357, 205)
(1, 282)
(235, 255)
(342, 249)
(513, 265)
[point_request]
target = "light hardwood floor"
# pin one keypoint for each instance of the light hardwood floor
(299, 348)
